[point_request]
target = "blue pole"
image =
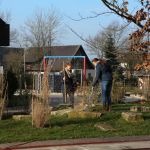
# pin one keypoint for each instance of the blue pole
(45, 57)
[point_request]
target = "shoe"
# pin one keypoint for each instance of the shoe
(72, 106)
(104, 109)
(109, 108)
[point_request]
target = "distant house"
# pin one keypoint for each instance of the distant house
(4, 52)
(128, 60)
(34, 56)
(34, 64)
(138, 65)
(144, 82)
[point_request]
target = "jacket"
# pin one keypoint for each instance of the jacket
(69, 81)
(103, 72)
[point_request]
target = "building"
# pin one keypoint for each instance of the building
(34, 64)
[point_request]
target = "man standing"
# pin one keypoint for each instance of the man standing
(103, 73)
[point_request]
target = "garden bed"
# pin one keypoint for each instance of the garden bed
(62, 127)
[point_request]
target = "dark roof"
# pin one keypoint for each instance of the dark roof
(35, 55)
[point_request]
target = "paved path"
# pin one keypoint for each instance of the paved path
(119, 143)
(111, 146)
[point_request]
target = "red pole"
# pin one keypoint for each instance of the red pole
(84, 72)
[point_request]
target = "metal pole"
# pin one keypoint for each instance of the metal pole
(65, 94)
(24, 59)
(33, 101)
(64, 57)
(84, 73)
(81, 77)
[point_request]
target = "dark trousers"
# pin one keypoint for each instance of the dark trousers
(68, 93)
(106, 92)
(71, 97)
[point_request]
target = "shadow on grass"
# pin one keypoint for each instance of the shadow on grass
(114, 108)
(146, 116)
(121, 107)
(64, 120)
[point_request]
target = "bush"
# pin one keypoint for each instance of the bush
(20, 100)
(39, 113)
(118, 91)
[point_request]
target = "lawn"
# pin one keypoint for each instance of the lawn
(64, 128)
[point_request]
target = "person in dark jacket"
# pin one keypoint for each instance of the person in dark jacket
(68, 85)
(103, 73)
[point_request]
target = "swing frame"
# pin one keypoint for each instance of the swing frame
(53, 57)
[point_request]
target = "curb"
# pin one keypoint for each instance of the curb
(73, 142)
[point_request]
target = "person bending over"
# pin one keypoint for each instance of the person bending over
(103, 74)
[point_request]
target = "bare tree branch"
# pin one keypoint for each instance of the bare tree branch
(90, 44)
(89, 17)
(121, 12)
(43, 29)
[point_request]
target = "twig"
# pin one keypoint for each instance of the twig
(89, 17)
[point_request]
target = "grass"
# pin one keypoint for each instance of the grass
(64, 128)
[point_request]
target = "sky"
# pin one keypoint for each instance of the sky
(21, 10)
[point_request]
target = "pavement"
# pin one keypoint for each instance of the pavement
(113, 143)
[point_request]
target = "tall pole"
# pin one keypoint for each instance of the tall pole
(84, 73)
(24, 69)
(65, 92)
(24, 59)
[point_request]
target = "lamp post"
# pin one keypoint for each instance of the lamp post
(24, 67)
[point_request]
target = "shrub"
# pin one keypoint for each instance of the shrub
(39, 112)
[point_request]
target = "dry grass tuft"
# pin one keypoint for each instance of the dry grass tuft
(40, 104)
(2, 96)
(39, 113)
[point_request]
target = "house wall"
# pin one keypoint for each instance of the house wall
(78, 65)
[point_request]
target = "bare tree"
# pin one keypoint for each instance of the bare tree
(140, 40)
(115, 31)
(43, 28)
